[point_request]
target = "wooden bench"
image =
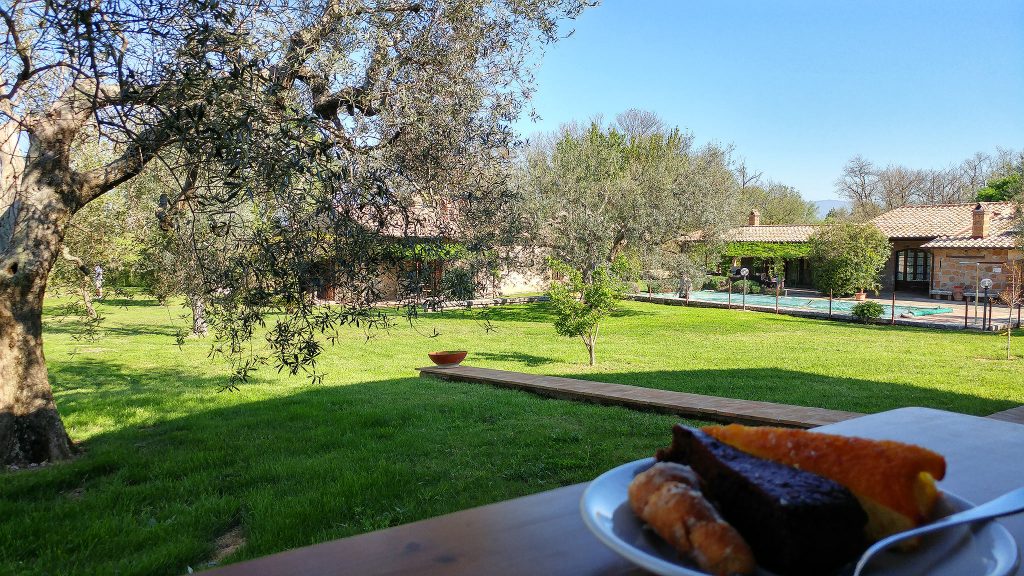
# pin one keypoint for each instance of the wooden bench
(1015, 415)
(713, 408)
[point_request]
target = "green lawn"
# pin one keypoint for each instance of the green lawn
(171, 465)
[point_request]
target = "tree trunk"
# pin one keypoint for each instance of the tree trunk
(31, 430)
(36, 204)
(199, 327)
(39, 192)
(87, 298)
(591, 341)
(1009, 331)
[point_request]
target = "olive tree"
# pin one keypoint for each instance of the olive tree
(114, 232)
(308, 137)
(631, 190)
(777, 204)
(634, 187)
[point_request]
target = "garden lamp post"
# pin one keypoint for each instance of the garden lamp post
(986, 283)
(744, 272)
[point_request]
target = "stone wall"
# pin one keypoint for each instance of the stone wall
(956, 267)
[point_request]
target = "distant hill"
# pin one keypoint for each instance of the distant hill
(823, 206)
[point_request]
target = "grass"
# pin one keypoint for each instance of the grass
(170, 465)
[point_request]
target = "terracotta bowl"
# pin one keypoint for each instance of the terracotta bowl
(448, 358)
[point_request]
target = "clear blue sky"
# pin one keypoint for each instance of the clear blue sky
(798, 87)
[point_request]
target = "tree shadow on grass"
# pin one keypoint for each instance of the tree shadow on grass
(527, 359)
(106, 391)
(127, 302)
(538, 312)
(804, 389)
(291, 469)
(74, 327)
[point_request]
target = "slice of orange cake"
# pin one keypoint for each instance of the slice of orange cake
(894, 482)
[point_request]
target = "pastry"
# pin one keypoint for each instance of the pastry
(894, 482)
(797, 523)
(667, 497)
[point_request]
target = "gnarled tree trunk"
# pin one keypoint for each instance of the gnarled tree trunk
(31, 430)
(38, 195)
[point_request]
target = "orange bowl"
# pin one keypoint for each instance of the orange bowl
(447, 358)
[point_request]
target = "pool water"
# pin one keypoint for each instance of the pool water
(805, 303)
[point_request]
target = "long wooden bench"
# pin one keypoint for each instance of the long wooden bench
(713, 408)
(684, 404)
(1015, 415)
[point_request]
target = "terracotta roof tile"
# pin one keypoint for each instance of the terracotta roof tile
(947, 225)
(953, 220)
(780, 233)
(1005, 240)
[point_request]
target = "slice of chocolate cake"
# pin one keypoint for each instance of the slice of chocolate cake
(797, 523)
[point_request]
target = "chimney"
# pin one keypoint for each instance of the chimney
(979, 223)
(754, 219)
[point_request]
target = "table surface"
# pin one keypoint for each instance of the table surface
(544, 533)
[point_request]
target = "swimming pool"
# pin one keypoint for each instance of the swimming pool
(841, 306)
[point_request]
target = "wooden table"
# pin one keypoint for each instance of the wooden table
(544, 534)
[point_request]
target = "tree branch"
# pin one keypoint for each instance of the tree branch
(328, 104)
(80, 265)
(168, 208)
(303, 43)
(142, 149)
(24, 54)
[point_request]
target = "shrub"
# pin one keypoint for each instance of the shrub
(752, 287)
(867, 311)
(715, 283)
(457, 284)
(848, 257)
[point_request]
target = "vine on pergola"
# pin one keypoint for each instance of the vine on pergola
(768, 250)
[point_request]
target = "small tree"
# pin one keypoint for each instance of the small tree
(1013, 296)
(580, 305)
(848, 257)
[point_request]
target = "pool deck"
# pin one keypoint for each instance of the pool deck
(950, 320)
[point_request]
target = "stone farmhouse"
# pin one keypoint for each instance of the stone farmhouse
(941, 250)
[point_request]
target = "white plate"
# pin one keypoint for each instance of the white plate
(980, 550)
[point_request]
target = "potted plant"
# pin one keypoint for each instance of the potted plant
(447, 358)
(958, 292)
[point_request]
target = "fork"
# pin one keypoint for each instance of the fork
(1009, 503)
